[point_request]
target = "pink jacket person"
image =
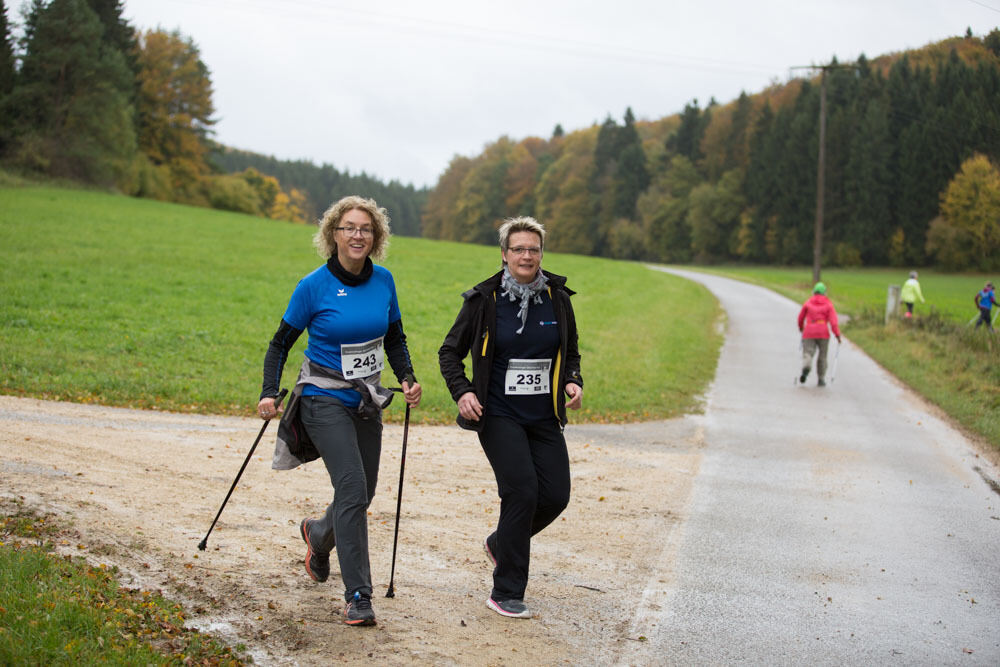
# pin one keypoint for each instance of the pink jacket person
(817, 317)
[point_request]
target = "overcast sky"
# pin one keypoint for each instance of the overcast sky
(397, 88)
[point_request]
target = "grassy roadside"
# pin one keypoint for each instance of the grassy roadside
(937, 354)
(137, 303)
(58, 610)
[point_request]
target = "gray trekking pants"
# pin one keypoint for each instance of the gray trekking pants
(350, 447)
(809, 348)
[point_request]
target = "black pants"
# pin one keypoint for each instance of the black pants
(984, 317)
(350, 447)
(531, 465)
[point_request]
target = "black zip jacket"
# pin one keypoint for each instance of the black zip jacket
(473, 332)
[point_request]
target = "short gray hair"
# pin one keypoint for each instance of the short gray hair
(520, 224)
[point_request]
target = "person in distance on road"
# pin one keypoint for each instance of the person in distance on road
(816, 319)
(910, 293)
(350, 308)
(519, 327)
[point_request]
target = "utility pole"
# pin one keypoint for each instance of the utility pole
(820, 178)
(821, 164)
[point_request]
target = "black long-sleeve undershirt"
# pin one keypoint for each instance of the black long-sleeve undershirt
(396, 351)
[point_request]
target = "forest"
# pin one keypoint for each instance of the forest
(324, 184)
(912, 142)
(86, 97)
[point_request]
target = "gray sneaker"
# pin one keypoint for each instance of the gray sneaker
(317, 562)
(509, 608)
(359, 611)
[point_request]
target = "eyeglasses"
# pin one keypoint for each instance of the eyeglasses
(365, 232)
(521, 250)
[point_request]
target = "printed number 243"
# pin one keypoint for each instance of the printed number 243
(365, 362)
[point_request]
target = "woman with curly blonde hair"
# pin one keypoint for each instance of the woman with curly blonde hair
(350, 308)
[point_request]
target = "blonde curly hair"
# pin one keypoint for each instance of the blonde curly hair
(325, 238)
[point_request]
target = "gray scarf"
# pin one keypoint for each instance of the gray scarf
(516, 290)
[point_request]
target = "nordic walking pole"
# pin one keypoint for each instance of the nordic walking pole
(391, 593)
(798, 356)
(836, 358)
(204, 542)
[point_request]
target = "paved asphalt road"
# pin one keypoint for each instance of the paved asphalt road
(837, 525)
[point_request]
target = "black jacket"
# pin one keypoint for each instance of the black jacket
(473, 332)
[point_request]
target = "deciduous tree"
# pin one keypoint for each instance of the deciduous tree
(175, 109)
(970, 206)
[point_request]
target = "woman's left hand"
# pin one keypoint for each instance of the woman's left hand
(412, 393)
(575, 393)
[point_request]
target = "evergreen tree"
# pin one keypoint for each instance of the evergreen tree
(618, 177)
(7, 68)
(71, 115)
(869, 187)
(795, 205)
(7, 74)
(992, 41)
(736, 142)
(686, 140)
(631, 176)
(118, 32)
(31, 13)
(760, 188)
(606, 150)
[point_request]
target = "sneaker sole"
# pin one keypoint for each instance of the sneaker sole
(358, 622)
(495, 607)
(304, 530)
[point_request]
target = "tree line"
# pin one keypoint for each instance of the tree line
(912, 144)
(323, 184)
(86, 97)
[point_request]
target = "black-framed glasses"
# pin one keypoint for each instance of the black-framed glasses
(365, 232)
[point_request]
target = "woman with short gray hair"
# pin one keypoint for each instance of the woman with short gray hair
(520, 330)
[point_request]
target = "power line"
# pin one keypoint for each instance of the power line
(499, 36)
(983, 4)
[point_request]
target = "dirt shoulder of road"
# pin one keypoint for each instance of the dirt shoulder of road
(141, 489)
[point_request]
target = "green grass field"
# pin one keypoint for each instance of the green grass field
(937, 353)
(130, 302)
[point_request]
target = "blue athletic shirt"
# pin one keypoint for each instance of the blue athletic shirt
(335, 313)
